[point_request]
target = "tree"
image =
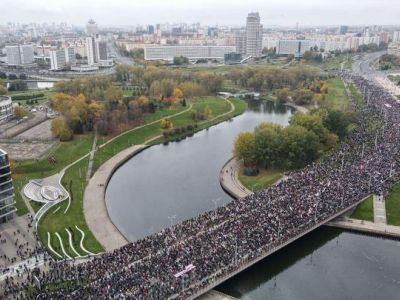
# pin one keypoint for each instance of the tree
(19, 112)
(177, 94)
(301, 146)
(282, 95)
(3, 90)
(312, 122)
(180, 60)
(338, 122)
(60, 129)
(244, 148)
(165, 123)
(268, 145)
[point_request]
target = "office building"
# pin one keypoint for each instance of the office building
(396, 37)
(191, 52)
(6, 108)
(253, 35)
(96, 50)
(101, 50)
(292, 47)
(240, 42)
(232, 58)
(7, 197)
(91, 50)
(59, 59)
(18, 55)
(343, 29)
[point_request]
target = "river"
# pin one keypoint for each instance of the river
(166, 184)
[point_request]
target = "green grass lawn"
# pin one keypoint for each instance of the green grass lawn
(58, 222)
(47, 95)
(334, 63)
(64, 154)
(365, 210)
(393, 206)
(357, 96)
(35, 205)
(263, 180)
(336, 97)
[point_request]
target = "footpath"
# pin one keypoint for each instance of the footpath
(229, 180)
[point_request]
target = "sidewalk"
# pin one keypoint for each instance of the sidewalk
(229, 181)
(94, 205)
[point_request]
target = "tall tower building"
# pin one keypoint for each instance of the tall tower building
(91, 28)
(253, 35)
(7, 201)
(91, 50)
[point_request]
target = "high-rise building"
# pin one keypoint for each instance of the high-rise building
(101, 50)
(292, 47)
(61, 58)
(96, 50)
(27, 54)
(57, 60)
(13, 55)
(19, 54)
(70, 57)
(396, 37)
(91, 28)
(7, 201)
(91, 50)
(253, 35)
(343, 29)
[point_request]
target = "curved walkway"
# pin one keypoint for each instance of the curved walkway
(94, 205)
(229, 180)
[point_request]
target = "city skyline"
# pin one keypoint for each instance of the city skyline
(279, 13)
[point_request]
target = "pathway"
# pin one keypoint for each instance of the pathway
(379, 210)
(90, 165)
(229, 180)
(94, 205)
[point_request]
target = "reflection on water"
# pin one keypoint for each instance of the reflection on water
(326, 264)
(179, 178)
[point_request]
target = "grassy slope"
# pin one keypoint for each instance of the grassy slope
(393, 206)
(59, 221)
(336, 97)
(263, 180)
(365, 210)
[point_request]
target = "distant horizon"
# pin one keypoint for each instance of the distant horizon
(276, 13)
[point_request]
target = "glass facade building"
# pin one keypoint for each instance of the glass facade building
(7, 196)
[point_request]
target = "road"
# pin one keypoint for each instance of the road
(362, 66)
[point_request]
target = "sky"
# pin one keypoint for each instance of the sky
(211, 12)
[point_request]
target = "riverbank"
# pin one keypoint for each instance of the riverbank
(94, 205)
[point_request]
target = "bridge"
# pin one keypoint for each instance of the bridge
(243, 266)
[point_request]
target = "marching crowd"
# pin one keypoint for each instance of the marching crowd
(218, 242)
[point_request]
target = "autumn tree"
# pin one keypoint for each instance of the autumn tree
(19, 112)
(165, 123)
(244, 148)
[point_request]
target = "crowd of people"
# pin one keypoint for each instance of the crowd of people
(180, 261)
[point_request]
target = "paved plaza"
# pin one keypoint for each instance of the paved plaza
(13, 128)
(27, 150)
(41, 131)
(17, 241)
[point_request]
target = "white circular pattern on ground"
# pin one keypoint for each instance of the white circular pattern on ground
(50, 193)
